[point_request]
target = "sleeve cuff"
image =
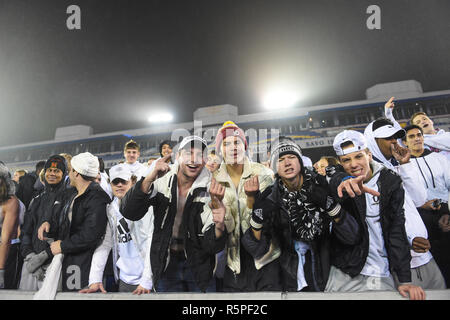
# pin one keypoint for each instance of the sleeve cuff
(146, 283)
(255, 225)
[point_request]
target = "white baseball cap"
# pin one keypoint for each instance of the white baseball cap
(121, 171)
(86, 164)
(196, 140)
(385, 129)
(355, 137)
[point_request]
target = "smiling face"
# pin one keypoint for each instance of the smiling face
(131, 155)
(166, 150)
(120, 187)
(53, 175)
(213, 162)
(357, 163)
(414, 140)
(233, 149)
(425, 123)
(192, 161)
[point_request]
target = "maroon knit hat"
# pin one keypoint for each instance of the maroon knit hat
(229, 128)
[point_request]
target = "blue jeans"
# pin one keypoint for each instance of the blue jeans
(178, 277)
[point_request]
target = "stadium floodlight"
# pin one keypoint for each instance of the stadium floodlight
(279, 99)
(160, 117)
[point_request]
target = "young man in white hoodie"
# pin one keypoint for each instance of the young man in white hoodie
(435, 176)
(381, 136)
(436, 140)
(128, 240)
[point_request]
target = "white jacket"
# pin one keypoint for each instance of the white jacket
(141, 232)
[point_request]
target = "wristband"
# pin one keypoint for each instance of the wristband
(335, 211)
(347, 177)
(255, 226)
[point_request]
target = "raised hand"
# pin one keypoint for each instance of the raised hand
(217, 193)
(251, 186)
(161, 168)
(390, 104)
(355, 186)
(402, 155)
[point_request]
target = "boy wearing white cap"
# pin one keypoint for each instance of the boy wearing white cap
(80, 226)
(126, 239)
(377, 205)
(189, 221)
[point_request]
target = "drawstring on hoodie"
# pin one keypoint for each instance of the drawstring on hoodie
(423, 176)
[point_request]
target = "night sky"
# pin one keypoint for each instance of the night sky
(133, 57)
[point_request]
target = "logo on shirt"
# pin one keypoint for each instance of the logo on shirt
(124, 232)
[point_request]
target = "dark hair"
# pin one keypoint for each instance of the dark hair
(332, 161)
(381, 122)
(168, 142)
(4, 190)
(39, 166)
(101, 165)
(87, 178)
(212, 152)
(410, 127)
(131, 145)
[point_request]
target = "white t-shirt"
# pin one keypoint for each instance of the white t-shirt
(377, 264)
(136, 169)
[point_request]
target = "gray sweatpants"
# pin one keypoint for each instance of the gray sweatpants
(428, 276)
(339, 281)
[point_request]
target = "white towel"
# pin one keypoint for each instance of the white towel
(52, 275)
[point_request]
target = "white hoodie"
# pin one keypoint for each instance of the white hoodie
(415, 196)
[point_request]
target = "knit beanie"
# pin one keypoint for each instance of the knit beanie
(282, 146)
(56, 161)
(229, 128)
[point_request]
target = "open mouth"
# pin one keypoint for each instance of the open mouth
(425, 125)
(357, 172)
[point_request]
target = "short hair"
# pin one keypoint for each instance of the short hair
(410, 127)
(420, 113)
(381, 122)
(39, 166)
(87, 178)
(212, 152)
(332, 161)
(131, 145)
(101, 165)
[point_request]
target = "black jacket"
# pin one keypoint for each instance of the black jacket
(352, 258)
(277, 225)
(200, 249)
(80, 237)
(49, 201)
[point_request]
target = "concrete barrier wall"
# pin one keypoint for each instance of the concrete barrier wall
(371, 295)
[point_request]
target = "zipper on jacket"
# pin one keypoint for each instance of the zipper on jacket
(164, 219)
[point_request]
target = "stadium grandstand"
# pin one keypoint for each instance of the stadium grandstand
(313, 127)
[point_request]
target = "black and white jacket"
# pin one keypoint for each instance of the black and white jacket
(201, 244)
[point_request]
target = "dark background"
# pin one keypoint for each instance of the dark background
(132, 57)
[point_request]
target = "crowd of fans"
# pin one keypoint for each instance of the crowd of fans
(372, 216)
